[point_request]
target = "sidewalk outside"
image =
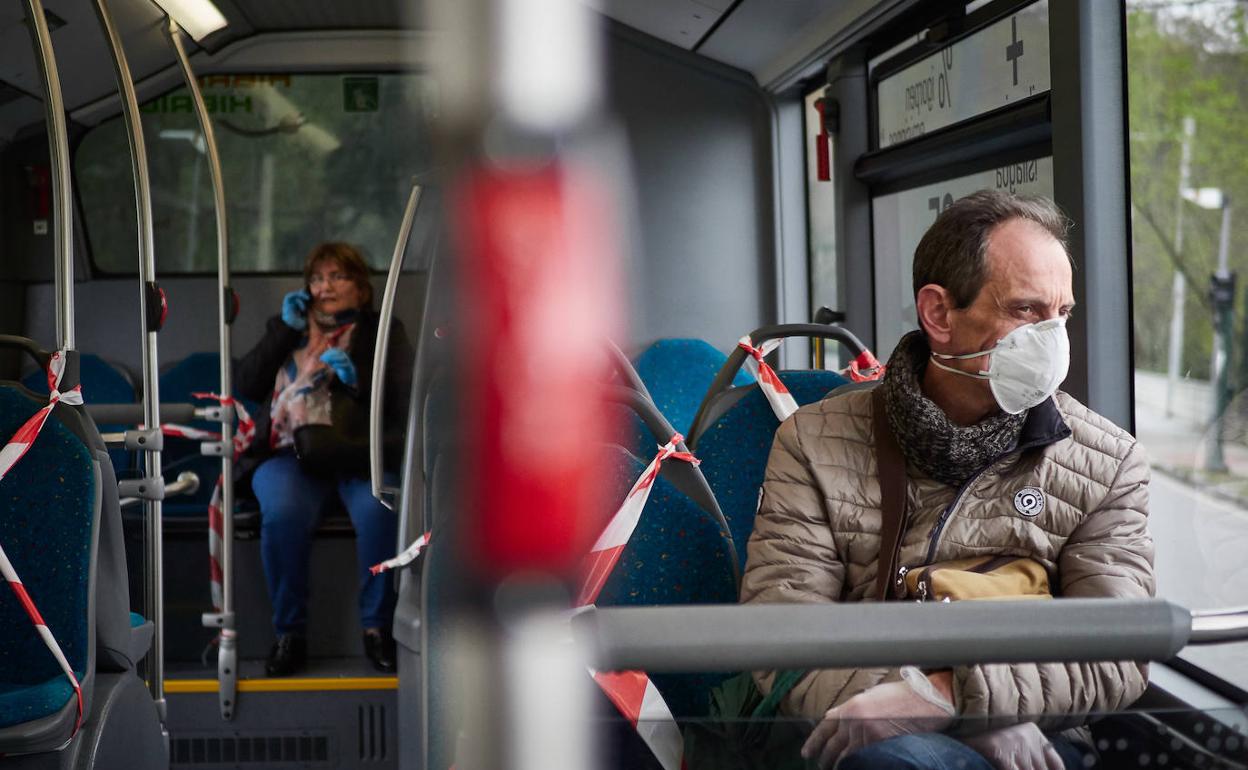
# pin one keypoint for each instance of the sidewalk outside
(1178, 445)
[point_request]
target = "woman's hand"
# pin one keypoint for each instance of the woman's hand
(295, 309)
(340, 362)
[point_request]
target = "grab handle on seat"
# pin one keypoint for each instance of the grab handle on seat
(27, 346)
(380, 353)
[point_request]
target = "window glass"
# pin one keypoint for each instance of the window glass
(305, 158)
(997, 66)
(898, 221)
(821, 212)
(1186, 66)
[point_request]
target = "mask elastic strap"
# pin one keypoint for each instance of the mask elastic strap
(981, 376)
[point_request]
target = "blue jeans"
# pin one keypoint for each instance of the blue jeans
(934, 751)
(290, 505)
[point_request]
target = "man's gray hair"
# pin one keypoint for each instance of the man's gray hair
(954, 251)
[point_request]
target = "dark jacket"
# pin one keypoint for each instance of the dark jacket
(256, 372)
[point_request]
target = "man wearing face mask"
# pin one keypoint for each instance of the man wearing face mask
(997, 461)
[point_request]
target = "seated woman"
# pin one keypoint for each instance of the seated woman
(313, 367)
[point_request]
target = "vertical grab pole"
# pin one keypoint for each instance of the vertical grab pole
(58, 150)
(382, 349)
(227, 652)
(150, 301)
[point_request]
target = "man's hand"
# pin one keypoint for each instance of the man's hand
(884, 711)
(1021, 747)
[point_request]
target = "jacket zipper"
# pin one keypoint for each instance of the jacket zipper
(948, 512)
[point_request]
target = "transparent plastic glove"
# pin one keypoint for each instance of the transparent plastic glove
(1020, 747)
(884, 711)
(340, 362)
(295, 309)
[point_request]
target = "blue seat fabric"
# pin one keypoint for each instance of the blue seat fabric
(102, 383)
(47, 510)
(197, 373)
(735, 448)
(677, 372)
(677, 555)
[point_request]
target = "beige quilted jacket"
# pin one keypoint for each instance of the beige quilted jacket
(816, 539)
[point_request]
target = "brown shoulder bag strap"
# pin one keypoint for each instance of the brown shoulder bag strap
(891, 470)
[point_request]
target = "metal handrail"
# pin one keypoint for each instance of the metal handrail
(227, 651)
(1218, 626)
(154, 603)
(755, 637)
(382, 350)
(58, 149)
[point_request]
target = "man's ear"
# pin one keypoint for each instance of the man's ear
(934, 303)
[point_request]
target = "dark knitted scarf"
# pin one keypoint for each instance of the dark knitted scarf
(931, 442)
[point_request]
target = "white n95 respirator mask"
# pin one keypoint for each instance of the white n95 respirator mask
(1024, 367)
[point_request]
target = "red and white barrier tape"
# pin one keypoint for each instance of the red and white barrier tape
(402, 560)
(597, 566)
(244, 432)
(782, 402)
(632, 692)
(864, 368)
(13, 451)
(639, 701)
(189, 433)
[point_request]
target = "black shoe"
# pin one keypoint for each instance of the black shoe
(379, 647)
(288, 656)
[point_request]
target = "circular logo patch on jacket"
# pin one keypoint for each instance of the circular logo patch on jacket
(1029, 501)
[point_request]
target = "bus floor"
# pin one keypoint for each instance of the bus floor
(339, 713)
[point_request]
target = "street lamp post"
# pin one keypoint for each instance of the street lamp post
(1222, 296)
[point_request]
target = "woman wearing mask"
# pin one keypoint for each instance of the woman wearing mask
(313, 367)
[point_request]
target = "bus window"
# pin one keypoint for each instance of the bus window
(306, 158)
(820, 207)
(1188, 180)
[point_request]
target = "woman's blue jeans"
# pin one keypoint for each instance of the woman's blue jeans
(290, 505)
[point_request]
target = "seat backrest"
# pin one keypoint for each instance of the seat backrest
(102, 383)
(676, 555)
(677, 373)
(49, 514)
(197, 373)
(734, 449)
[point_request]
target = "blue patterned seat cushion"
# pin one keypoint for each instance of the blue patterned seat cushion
(677, 372)
(677, 555)
(734, 450)
(47, 509)
(21, 703)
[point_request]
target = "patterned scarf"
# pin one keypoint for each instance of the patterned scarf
(301, 389)
(930, 441)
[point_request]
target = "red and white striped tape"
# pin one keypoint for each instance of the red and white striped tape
(189, 433)
(782, 402)
(632, 692)
(864, 368)
(639, 701)
(597, 566)
(244, 432)
(402, 560)
(13, 451)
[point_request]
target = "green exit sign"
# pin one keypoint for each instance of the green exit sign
(360, 94)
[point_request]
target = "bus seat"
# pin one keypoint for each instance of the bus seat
(677, 372)
(677, 555)
(50, 511)
(735, 446)
(102, 383)
(197, 373)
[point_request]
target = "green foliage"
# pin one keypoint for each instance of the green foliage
(1182, 63)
